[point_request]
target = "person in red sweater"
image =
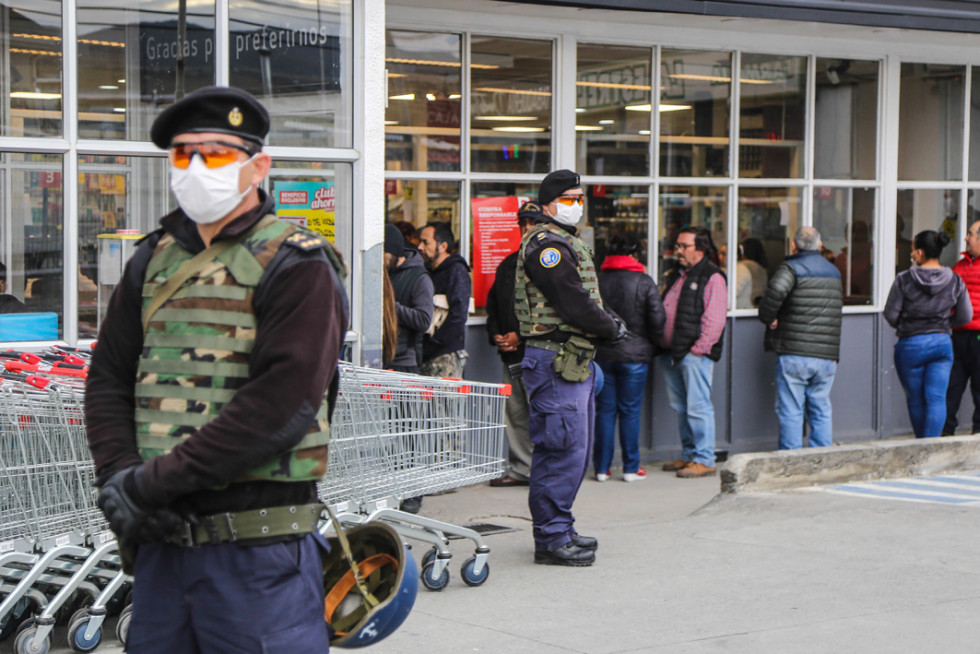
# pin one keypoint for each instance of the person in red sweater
(966, 339)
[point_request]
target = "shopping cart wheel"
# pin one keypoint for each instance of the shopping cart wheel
(122, 626)
(76, 633)
(470, 578)
(431, 582)
(430, 556)
(25, 642)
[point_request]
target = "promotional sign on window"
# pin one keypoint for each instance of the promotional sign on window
(307, 204)
(495, 235)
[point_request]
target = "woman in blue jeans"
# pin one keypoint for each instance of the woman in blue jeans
(924, 304)
(627, 290)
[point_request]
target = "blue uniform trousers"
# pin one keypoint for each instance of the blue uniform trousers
(226, 598)
(562, 417)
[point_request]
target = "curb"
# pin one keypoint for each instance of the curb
(785, 469)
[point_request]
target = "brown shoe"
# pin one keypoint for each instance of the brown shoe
(696, 470)
(673, 466)
(505, 482)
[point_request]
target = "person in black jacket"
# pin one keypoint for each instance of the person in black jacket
(444, 350)
(413, 299)
(627, 290)
(802, 313)
(504, 333)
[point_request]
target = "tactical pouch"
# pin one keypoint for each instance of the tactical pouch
(572, 360)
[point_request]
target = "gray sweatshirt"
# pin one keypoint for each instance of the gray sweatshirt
(927, 301)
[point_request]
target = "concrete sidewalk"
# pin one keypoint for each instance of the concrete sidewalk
(683, 569)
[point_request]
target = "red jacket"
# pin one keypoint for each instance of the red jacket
(969, 269)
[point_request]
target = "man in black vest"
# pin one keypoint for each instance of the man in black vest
(413, 298)
(695, 301)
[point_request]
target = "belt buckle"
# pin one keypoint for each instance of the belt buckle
(211, 527)
(187, 536)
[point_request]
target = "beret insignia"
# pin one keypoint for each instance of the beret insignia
(550, 257)
(235, 117)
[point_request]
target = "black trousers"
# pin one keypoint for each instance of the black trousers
(966, 369)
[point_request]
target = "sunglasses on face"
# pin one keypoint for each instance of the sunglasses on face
(215, 154)
(569, 200)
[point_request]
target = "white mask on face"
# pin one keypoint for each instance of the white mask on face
(567, 215)
(207, 194)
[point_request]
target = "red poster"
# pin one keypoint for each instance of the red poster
(495, 235)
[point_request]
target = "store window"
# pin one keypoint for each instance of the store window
(30, 68)
(695, 96)
(510, 105)
(494, 232)
(297, 59)
(845, 219)
(317, 195)
(845, 119)
(767, 219)
(120, 199)
(137, 60)
(413, 203)
(772, 110)
(31, 247)
(922, 209)
(612, 110)
(974, 144)
(930, 122)
(422, 119)
(690, 206)
(617, 211)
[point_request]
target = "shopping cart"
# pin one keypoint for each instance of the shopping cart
(397, 435)
(57, 555)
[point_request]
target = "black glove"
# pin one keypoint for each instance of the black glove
(129, 517)
(621, 330)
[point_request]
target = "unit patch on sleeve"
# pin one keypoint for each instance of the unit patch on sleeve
(550, 257)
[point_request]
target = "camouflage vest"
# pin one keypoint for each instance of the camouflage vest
(196, 350)
(535, 315)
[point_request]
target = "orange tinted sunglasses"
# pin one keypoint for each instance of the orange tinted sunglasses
(571, 199)
(215, 154)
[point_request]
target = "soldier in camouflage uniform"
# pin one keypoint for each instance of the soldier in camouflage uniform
(560, 315)
(205, 407)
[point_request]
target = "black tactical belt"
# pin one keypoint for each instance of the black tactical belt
(249, 525)
(542, 344)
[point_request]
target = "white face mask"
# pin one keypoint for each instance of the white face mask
(567, 215)
(207, 194)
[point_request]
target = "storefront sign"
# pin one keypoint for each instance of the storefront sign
(307, 204)
(495, 235)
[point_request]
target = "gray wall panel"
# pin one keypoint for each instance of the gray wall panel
(754, 423)
(852, 397)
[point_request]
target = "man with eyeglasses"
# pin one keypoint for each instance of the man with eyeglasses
(695, 301)
(560, 315)
(203, 405)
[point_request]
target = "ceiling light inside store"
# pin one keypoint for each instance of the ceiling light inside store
(430, 62)
(431, 97)
(615, 85)
(108, 87)
(517, 128)
(606, 122)
(663, 107)
(119, 110)
(580, 110)
(120, 81)
(405, 96)
(505, 119)
(391, 122)
(588, 128)
(455, 96)
(494, 89)
(35, 95)
(644, 132)
(716, 78)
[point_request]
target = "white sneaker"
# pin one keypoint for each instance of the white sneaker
(635, 476)
(599, 476)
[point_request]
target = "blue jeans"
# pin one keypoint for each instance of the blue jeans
(621, 395)
(803, 386)
(923, 363)
(689, 390)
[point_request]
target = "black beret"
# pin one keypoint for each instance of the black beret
(394, 241)
(212, 109)
(531, 211)
(557, 183)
